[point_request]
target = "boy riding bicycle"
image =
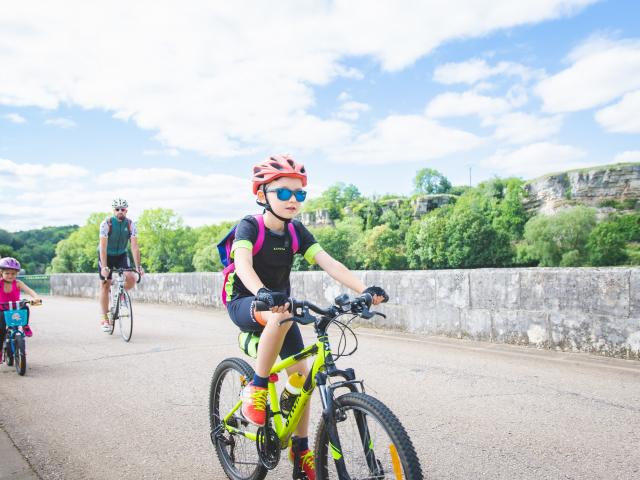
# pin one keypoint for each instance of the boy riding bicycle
(264, 276)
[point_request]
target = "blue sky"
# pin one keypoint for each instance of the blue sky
(170, 107)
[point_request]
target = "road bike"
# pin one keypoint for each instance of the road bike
(120, 308)
(358, 437)
(14, 348)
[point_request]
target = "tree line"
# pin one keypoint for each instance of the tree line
(484, 226)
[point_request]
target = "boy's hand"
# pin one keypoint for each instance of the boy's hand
(377, 293)
(36, 301)
(278, 301)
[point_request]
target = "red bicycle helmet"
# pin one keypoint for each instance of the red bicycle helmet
(277, 166)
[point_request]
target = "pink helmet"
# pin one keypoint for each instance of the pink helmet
(277, 166)
(9, 263)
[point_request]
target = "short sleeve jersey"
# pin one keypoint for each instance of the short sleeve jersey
(104, 229)
(273, 262)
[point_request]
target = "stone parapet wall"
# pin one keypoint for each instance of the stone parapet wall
(573, 309)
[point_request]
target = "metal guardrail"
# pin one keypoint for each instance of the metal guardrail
(39, 283)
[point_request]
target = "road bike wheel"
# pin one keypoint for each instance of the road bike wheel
(8, 354)
(113, 310)
(125, 316)
(237, 454)
(373, 441)
(20, 355)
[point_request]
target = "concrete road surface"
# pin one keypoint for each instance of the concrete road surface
(94, 407)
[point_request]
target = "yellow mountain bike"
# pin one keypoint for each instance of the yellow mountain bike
(358, 437)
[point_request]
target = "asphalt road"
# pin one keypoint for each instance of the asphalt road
(94, 407)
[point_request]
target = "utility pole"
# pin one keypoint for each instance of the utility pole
(470, 167)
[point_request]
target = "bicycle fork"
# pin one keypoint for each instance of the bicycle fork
(331, 418)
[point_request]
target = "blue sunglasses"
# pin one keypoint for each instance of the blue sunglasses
(284, 194)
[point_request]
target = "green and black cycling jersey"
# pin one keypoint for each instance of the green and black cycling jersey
(273, 262)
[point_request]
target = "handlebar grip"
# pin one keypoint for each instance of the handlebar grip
(261, 306)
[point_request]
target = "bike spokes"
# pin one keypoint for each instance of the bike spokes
(237, 453)
(125, 316)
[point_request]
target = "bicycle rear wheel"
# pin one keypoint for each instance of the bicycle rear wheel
(20, 355)
(374, 443)
(237, 454)
(125, 316)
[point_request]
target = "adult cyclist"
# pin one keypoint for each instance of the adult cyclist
(116, 232)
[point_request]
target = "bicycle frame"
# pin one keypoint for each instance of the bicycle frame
(10, 338)
(323, 366)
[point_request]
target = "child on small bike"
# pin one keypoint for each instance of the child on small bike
(10, 292)
(278, 184)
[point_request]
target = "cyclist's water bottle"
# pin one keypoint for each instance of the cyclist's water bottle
(291, 391)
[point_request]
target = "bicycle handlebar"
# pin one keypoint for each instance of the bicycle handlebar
(122, 270)
(343, 304)
(22, 303)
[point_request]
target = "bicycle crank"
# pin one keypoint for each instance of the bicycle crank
(268, 447)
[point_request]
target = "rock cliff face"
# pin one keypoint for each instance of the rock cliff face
(591, 187)
(319, 218)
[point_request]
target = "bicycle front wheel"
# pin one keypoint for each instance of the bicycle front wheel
(113, 309)
(373, 442)
(125, 316)
(20, 356)
(8, 353)
(237, 454)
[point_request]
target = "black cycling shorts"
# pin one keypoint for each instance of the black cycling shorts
(114, 261)
(244, 316)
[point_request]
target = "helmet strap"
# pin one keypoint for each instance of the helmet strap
(267, 207)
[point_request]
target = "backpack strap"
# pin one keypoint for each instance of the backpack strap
(294, 237)
(261, 233)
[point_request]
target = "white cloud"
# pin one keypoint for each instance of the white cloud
(14, 118)
(475, 70)
(228, 78)
(630, 156)
(405, 138)
(519, 127)
(452, 104)
(62, 194)
(61, 122)
(536, 159)
(351, 110)
(601, 70)
(622, 117)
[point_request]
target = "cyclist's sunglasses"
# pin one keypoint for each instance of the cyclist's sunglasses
(284, 194)
(120, 209)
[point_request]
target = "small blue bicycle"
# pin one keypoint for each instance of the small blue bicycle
(14, 348)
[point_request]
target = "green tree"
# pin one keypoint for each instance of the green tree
(382, 249)
(606, 245)
(472, 241)
(426, 241)
(36, 248)
(341, 240)
(166, 245)
(334, 199)
(79, 252)
(511, 215)
(560, 239)
(429, 181)
(7, 251)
